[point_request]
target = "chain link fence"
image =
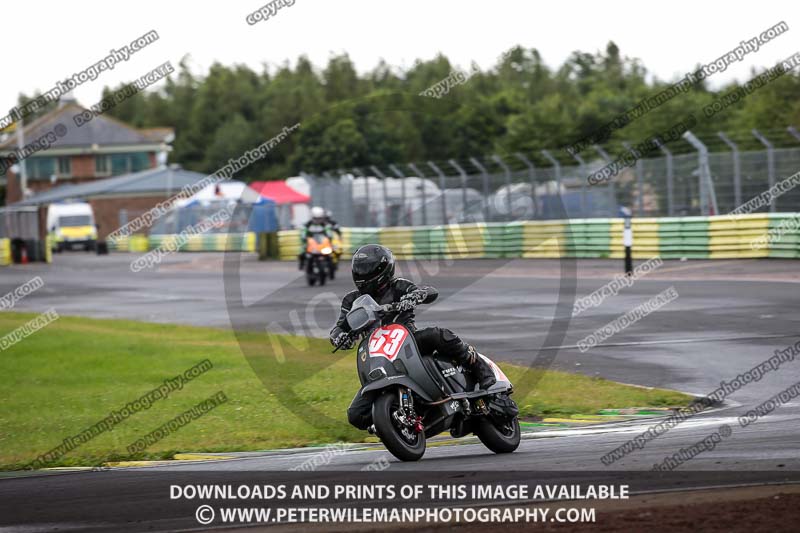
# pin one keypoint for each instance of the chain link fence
(504, 188)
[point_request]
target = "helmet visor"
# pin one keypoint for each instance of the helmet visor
(367, 268)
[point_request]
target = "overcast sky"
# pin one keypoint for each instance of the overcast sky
(48, 40)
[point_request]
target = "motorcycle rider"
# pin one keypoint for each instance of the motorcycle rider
(332, 224)
(373, 273)
(334, 227)
(318, 223)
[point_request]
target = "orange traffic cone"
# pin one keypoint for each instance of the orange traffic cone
(24, 256)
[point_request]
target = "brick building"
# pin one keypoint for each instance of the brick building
(98, 149)
(115, 201)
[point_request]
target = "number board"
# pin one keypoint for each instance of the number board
(386, 342)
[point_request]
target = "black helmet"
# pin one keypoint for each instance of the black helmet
(373, 269)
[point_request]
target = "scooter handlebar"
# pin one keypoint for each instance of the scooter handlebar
(388, 308)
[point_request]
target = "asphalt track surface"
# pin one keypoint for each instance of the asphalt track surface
(729, 317)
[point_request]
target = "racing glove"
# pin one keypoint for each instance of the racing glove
(343, 341)
(412, 299)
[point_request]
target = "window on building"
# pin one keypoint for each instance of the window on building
(40, 167)
(102, 165)
(120, 164)
(127, 163)
(64, 166)
(140, 161)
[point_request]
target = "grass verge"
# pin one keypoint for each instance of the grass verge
(70, 375)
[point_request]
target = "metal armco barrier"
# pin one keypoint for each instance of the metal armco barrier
(267, 244)
(216, 242)
(5, 252)
(716, 237)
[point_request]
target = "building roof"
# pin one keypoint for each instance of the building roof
(279, 192)
(164, 180)
(100, 131)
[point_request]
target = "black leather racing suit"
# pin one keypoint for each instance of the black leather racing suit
(444, 342)
(334, 226)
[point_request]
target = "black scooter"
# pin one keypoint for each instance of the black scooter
(418, 396)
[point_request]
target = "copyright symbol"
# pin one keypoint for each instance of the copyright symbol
(725, 430)
(204, 514)
(60, 129)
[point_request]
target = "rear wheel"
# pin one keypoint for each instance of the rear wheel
(401, 440)
(500, 436)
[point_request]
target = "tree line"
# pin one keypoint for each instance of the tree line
(378, 117)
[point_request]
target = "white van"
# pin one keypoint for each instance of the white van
(71, 225)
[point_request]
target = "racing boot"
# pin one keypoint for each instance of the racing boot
(480, 368)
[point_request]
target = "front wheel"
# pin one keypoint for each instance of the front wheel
(499, 436)
(311, 271)
(331, 268)
(399, 439)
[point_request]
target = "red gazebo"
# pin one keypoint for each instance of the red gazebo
(285, 199)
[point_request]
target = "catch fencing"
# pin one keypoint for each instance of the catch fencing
(715, 177)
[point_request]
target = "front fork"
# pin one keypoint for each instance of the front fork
(406, 414)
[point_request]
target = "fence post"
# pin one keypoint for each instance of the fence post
(343, 211)
(421, 176)
(477, 164)
(670, 178)
(499, 160)
(773, 204)
(704, 175)
(557, 167)
(399, 175)
(323, 187)
(382, 176)
(639, 177)
(584, 177)
(532, 177)
(442, 186)
(737, 169)
(311, 186)
(463, 174)
(351, 201)
(351, 184)
(368, 218)
(611, 188)
(328, 181)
